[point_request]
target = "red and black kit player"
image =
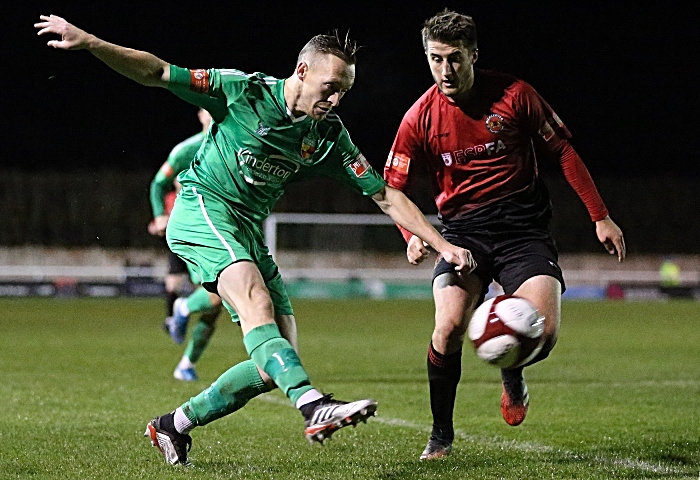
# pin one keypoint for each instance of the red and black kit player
(475, 133)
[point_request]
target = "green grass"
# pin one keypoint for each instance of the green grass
(618, 398)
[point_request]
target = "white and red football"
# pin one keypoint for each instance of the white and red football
(506, 331)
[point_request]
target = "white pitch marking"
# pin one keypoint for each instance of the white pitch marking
(503, 443)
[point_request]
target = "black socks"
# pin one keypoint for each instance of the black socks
(444, 372)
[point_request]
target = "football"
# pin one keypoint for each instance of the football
(506, 331)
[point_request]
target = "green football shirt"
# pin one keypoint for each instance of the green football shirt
(179, 159)
(255, 148)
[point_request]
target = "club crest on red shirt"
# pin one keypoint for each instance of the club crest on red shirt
(546, 132)
(494, 123)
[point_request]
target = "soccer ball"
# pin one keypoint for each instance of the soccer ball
(506, 331)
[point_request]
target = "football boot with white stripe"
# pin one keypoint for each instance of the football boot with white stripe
(330, 415)
(172, 444)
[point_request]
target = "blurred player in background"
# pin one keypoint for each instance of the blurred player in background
(474, 133)
(266, 133)
(176, 280)
(164, 188)
(208, 306)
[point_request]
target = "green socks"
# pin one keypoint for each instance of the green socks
(199, 339)
(276, 357)
(230, 392)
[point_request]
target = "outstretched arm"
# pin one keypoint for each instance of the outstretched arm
(142, 67)
(405, 213)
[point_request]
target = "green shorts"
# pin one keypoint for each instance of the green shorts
(209, 234)
(193, 272)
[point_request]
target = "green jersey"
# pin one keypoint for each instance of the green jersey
(179, 159)
(255, 147)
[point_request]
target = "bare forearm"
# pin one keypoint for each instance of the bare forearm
(142, 67)
(405, 213)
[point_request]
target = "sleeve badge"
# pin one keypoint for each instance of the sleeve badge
(360, 165)
(399, 163)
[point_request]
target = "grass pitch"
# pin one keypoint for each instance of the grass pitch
(618, 398)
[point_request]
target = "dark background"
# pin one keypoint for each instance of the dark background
(622, 77)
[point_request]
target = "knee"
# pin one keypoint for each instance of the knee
(548, 344)
(450, 330)
(551, 332)
(549, 339)
(256, 306)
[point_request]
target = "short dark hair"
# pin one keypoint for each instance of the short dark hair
(345, 49)
(450, 27)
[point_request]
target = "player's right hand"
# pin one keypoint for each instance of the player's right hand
(417, 250)
(158, 225)
(460, 257)
(72, 38)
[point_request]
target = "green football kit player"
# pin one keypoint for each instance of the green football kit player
(163, 190)
(178, 160)
(202, 302)
(266, 133)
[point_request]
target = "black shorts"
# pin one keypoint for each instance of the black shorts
(176, 265)
(509, 239)
(510, 258)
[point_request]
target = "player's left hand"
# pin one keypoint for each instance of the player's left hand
(610, 235)
(159, 225)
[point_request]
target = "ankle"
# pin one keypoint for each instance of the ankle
(307, 410)
(512, 375)
(444, 433)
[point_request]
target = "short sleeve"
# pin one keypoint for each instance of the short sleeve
(400, 167)
(351, 168)
(202, 88)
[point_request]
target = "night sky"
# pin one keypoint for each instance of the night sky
(623, 78)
